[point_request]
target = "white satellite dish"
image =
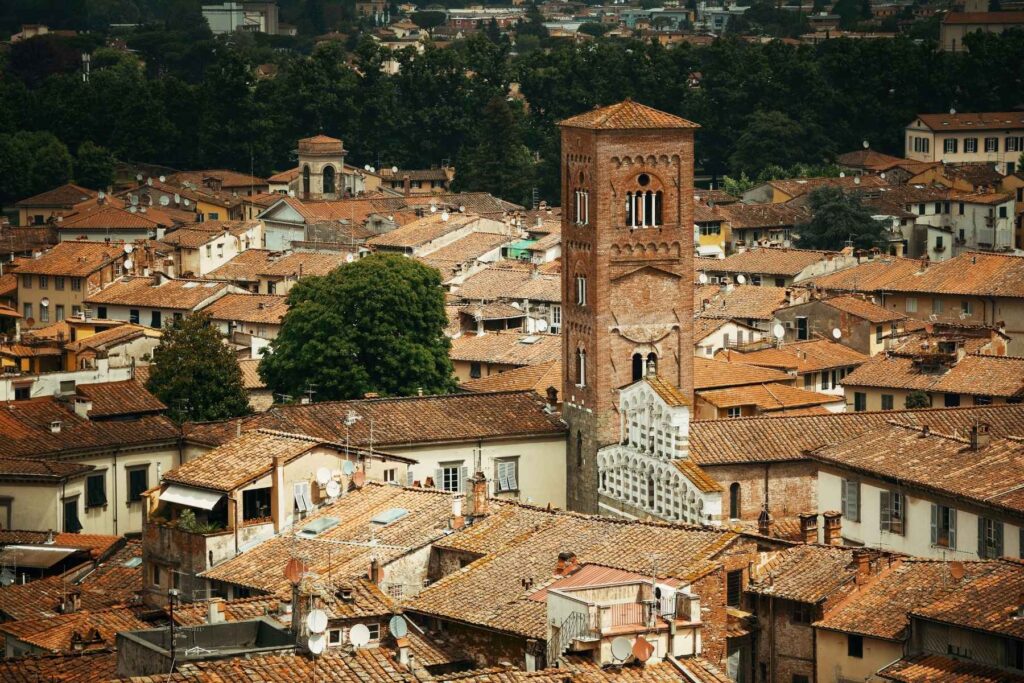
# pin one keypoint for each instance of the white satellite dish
(333, 489)
(952, 111)
(394, 169)
(621, 648)
(132, 209)
(882, 175)
(445, 216)
(45, 302)
(135, 200)
(433, 209)
(129, 248)
(128, 263)
(149, 181)
(842, 175)
(741, 279)
(316, 644)
(323, 475)
(359, 635)
(349, 258)
(398, 627)
(836, 333)
(177, 198)
(163, 179)
(542, 325)
(7, 577)
(187, 202)
(348, 467)
(316, 621)
(366, 167)
(866, 144)
(462, 209)
(101, 194)
(779, 331)
(291, 193)
(856, 180)
(138, 176)
(702, 278)
(165, 200)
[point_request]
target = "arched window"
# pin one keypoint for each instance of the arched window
(734, 500)
(328, 180)
(630, 214)
(650, 491)
(579, 448)
(581, 368)
(644, 206)
(638, 366)
(652, 364)
(305, 180)
(658, 201)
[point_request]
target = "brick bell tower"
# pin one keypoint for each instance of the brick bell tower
(627, 271)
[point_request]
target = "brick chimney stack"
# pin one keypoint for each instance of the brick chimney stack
(862, 557)
(764, 522)
(979, 435)
(376, 571)
(833, 527)
(477, 501)
(567, 563)
(809, 526)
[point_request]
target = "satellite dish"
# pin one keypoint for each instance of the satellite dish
(333, 489)
(133, 209)
(741, 279)
(323, 475)
(7, 577)
(842, 175)
(129, 248)
(101, 194)
(135, 200)
(128, 263)
(956, 570)
(433, 209)
(359, 635)
(349, 258)
(836, 333)
(621, 648)
(952, 111)
(291, 193)
(138, 176)
(149, 181)
(165, 200)
(294, 570)
(45, 302)
(348, 468)
(316, 644)
(542, 325)
(186, 202)
(177, 198)
(462, 209)
(779, 331)
(865, 143)
(882, 175)
(163, 179)
(316, 621)
(702, 278)
(856, 180)
(366, 167)
(445, 216)
(642, 649)
(398, 627)
(359, 478)
(394, 169)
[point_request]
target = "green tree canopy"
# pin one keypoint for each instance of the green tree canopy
(428, 20)
(94, 166)
(195, 374)
(917, 399)
(375, 325)
(30, 163)
(773, 138)
(838, 217)
(496, 160)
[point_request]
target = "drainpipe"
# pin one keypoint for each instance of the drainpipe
(115, 492)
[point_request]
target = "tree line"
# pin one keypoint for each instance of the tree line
(185, 99)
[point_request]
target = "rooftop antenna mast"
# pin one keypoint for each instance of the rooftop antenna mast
(310, 391)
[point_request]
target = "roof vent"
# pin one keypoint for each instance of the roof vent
(55, 426)
(389, 516)
(317, 527)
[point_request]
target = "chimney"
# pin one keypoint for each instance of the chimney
(403, 650)
(567, 563)
(215, 611)
(925, 430)
(764, 522)
(406, 185)
(552, 395)
(50, 539)
(376, 571)
(457, 521)
(82, 407)
(478, 504)
(71, 602)
(862, 557)
(55, 426)
(808, 527)
(979, 435)
(833, 527)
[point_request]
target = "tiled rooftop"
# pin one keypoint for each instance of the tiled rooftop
(766, 397)
(971, 273)
(110, 337)
(79, 667)
(861, 308)
(795, 187)
(870, 276)
(126, 397)
(974, 120)
(420, 232)
(527, 378)
(974, 374)
(926, 668)
(626, 115)
(513, 282)
(744, 302)
(507, 348)
(806, 573)
(72, 259)
(261, 309)
(770, 261)
(250, 374)
(66, 195)
(54, 634)
(987, 601)
(184, 295)
(747, 216)
(803, 356)
(716, 374)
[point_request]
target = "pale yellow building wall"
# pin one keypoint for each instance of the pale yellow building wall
(835, 666)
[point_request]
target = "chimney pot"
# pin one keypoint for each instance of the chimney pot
(567, 563)
(376, 571)
(833, 527)
(809, 526)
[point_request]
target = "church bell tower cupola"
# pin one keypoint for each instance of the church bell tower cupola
(627, 270)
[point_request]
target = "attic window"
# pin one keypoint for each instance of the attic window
(389, 516)
(317, 527)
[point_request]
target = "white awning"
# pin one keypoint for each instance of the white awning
(35, 556)
(193, 498)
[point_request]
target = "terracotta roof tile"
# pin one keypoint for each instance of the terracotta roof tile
(987, 601)
(803, 356)
(766, 397)
(974, 374)
(507, 348)
(195, 235)
(65, 196)
(54, 634)
(304, 263)
(250, 374)
(184, 295)
(745, 302)
(862, 308)
(976, 120)
(26, 469)
(265, 309)
(110, 337)
(806, 573)
(511, 282)
(866, 158)
(772, 261)
(871, 276)
(716, 374)
(668, 392)
(627, 115)
(73, 259)
(228, 178)
(464, 250)
(925, 668)
(126, 397)
(971, 273)
(697, 476)
(776, 439)
(79, 667)
(747, 216)
(422, 231)
(114, 218)
(535, 378)
(796, 187)
(286, 176)
(245, 267)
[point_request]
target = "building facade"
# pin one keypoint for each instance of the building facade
(627, 276)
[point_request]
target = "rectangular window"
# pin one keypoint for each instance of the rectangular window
(943, 526)
(850, 499)
(156, 575)
(76, 311)
(71, 523)
(154, 320)
(734, 412)
(209, 250)
(133, 316)
(809, 381)
(76, 284)
(854, 646)
(214, 216)
(59, 312)
(949, 146)
(220, 250)
(797, 678)
(938, 208)
(960, 208)
(334, 637)
(374, 630)
(970, 145)
(801, 328)
(556, 318)
(67, 386)
(991, 144)
(860, 401)
(58, 283)
(734, 588)
(911, 304)
(892, 509)
(101, 312)
(878, 333)
(300, 493)
(451, 477)
(138, 482)
(990, 538)
(1002, 211)
(474, 370)
(936, 306)
(44, 282)
(939, 245)
(26, 281)
(22, 393)
(26, 311)
(802, 613)
(967, 307)
(256, 504)
(96, 490)
(1013, 144)
(887, 402)
(507, 474)
(44, 314)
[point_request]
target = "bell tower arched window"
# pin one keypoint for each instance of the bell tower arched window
(328, 180)
(644, 205)
(638, 366)
(305, 180)
(581, 202)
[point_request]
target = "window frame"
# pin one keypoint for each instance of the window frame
(93, 495)
(855, 645)
(130, 473)
(850, 504)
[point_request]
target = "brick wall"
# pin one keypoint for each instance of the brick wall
(792, 487)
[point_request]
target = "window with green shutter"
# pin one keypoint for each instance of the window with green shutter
(138, 481)
(96, 490)
(851, 499)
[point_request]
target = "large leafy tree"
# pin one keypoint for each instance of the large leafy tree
(838, 218)
(375, 325)
(30, 163)
(497, 161)
(94, 166)
(195, 374)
